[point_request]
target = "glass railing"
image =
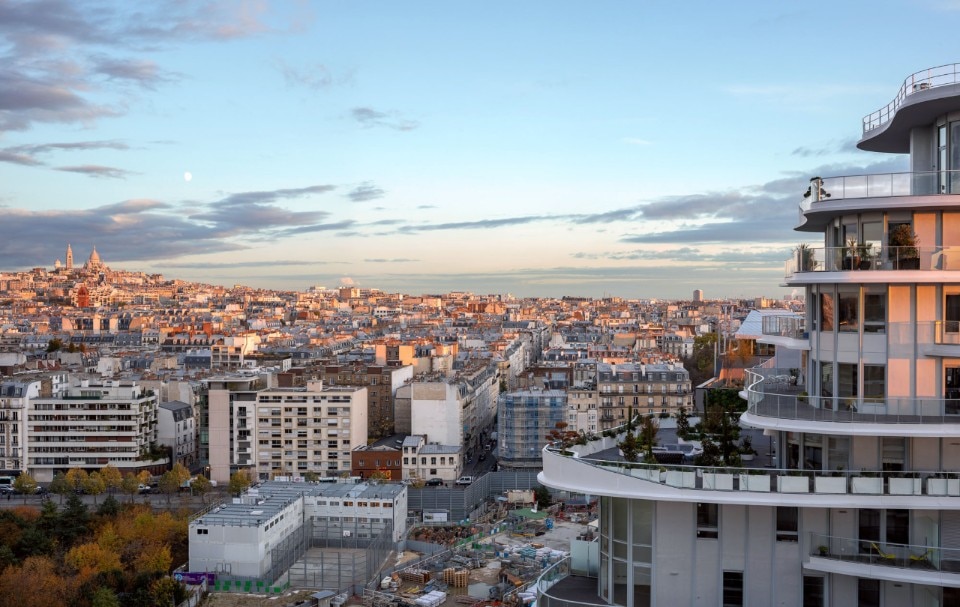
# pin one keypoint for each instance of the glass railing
(783, 480)
(880, 185)
(866, 258)
(927, 79)
(548, 596)
(874, 552)
(784, 326)
(770, 395)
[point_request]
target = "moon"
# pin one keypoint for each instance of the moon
(187, 176)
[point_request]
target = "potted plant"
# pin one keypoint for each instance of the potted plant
(823, 550)
(747, 452)
(903, 243)
(865, 252)
(806, 258)
(851, 257)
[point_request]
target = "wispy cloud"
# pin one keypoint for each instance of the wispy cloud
(21, 159)
(245, 198)
(140, 72)
(97, 171)
(369, 117)
(364, 192)
(315, 76)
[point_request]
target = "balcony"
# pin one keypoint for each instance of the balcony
(924, 80)
(558, 587)
(867, 258)
(771, 397)
(910, 563)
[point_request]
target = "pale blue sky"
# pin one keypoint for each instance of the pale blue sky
(637, 149)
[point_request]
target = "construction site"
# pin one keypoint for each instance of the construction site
(486, 564)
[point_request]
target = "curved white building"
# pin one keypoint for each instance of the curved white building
(860, 505)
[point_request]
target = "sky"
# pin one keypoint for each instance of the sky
(603, 148)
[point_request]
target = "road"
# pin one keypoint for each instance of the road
(157, 501)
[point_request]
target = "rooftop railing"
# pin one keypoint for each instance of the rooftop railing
(927, 79)
(768, 395)
(784, 326)
(874, 552)
(783, 480)
(551, 598)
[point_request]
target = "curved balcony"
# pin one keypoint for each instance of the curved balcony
(587, 473)
(774, 403)
(910, 563)
(558, 587)
(923, 80)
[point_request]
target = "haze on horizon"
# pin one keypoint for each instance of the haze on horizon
(546, 149)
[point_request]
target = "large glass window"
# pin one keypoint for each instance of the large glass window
(868, 593)
(898, 526)
(788, 520)
(732, 589)
(951, 314)
(826, 312)
(874, 382)
(708, 520)
(812, 591)
(848, 304)
(874, 310)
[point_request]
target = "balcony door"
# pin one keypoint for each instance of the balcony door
(951, 390)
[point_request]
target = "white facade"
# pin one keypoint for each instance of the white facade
(422, 460)
(89, 425)
(310, 429)
(237, 538)
(177, 429)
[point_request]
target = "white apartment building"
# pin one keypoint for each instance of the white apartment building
(227, 423)
(423, 460)
(89, 424)
(859, 501)
(309, 429)
(177, 430)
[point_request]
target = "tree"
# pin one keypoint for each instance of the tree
(130, 485)
(104, 597)
(181, 472)
(93, 485)
(201, 486)
(60, 486)
(630, 446)
(311, 477)
(542, 495)
(649, 428)
(239, 482)
(109, 507)
(25, 484)
(54, 344)
(379, 475)
(76, 478)
(111, 477)
(561, 436)
(683, 424)
(169, 484)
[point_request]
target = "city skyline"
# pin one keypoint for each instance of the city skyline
(543, 150)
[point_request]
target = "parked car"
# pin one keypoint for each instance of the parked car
(465, 480)
(435, 482)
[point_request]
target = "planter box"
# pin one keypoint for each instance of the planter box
(720, 481)
(793, 484)
(904, 486)
(755, 482)
(866, 484)
(829, 484)
(943, 486)
(684, 480)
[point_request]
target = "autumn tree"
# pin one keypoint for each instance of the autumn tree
(169, 484)
(60, 486)
(25, 484)
(181, 472)
(239, 482)
(94, 485)
(130, 485)
(39, 575)
(201, 486)
(111, 477)
(76, 478)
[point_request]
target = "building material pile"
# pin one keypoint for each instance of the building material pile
(458, 578)
(432, 599)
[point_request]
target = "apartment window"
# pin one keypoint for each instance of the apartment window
(787, 523)
(812, 591)
(868, 592)
(874, 382)
(874, 310)
(951, 314)
(732, 589)
(847, 308)
(708, 520)
(826, 311)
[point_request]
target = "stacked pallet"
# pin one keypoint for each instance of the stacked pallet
(458, 578)
(417, 576)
